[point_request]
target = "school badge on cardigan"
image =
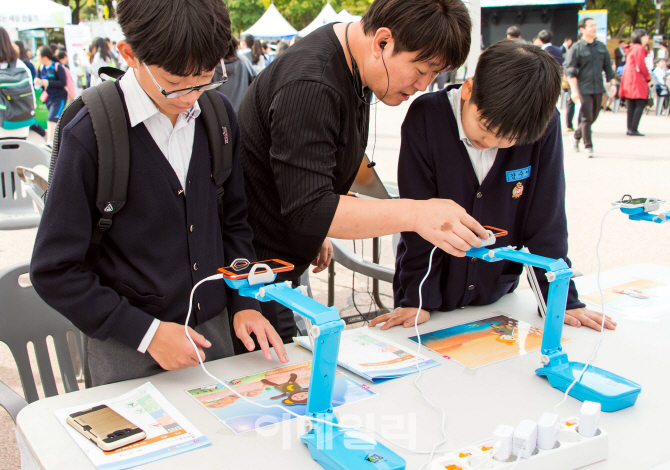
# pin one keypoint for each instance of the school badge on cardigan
(517, 191)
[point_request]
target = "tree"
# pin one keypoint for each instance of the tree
(244, 13)
(75, 6)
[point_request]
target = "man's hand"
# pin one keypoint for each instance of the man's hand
(171, 348)
(322, 261)
(583, 316)
(401, 316)
(246, 322)
(446, 225)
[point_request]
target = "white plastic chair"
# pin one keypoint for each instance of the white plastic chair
(16, 207)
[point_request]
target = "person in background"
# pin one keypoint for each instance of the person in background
(245, 46)
(662, 52)
(23, 57)
(440, 81)
(257, 57)
(90, 52)
(567, 42)
(281, 48)
(240, 75)
(587, 60)
(661, 75)
(270, 54)
(620, 54)
(545, 36)
(102, 58)
(635, 81)
(513, 33)
(52, 80)
(11, 79)
(536, 41)
(62, 59)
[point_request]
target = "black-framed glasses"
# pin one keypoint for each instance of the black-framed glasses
(186, 91)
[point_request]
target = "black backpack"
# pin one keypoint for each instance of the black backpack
(111, 132)
(16, 96)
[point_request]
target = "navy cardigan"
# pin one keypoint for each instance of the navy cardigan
(524, 193)
(160, 244)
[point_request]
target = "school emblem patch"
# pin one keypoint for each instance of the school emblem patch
(517, 191)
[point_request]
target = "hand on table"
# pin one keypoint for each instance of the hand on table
(246, 322)
(322, 261)
(448, 226)
(401, 316)
(582, 316)
(171, 348)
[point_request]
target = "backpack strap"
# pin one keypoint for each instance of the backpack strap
(217, 124)
(66, 116)
(111, 132)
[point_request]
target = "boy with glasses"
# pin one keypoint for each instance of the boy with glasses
(134, 298)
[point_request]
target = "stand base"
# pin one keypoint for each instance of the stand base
(338, 449)
(612, 391)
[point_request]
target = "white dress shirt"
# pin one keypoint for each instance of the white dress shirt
(176, 142)
(482, 160)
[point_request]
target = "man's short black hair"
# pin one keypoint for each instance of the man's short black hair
(516, 87)
(184, 37)
(582, 22)
(514, 31)
(249, 39)
(545, 36)
(439, 30)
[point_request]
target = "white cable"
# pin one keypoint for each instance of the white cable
(602, 324)
(316, 420)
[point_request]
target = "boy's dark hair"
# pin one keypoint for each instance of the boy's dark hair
(516, 87)
(232, 49)
(514, 32)
(45, 51)
(7, 51)
(183, 38)
(249, 40)
(61, 55)
(443, 34)
(582, 22)
(638, 34)
(568, 39)
(545, 36)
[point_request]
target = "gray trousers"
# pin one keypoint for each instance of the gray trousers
(111, 361)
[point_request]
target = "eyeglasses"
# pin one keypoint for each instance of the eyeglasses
(186, 91)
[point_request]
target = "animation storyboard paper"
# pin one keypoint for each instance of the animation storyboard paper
(640, 298)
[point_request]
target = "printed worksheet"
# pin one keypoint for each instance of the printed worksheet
(168, 431)
(640, 298)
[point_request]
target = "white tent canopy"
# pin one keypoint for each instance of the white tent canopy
(326, 16)
(272, 25)
(345, 17)
(34, 14)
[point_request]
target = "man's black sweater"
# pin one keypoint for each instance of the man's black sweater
(161, 243)
(523, 193)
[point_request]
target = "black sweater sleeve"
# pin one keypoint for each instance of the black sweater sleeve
(416, 180)
(546, 230)
(304, 132)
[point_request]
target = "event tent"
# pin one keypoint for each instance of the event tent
(345, 17)
(34, 14)
(326, 16)
(272, 25)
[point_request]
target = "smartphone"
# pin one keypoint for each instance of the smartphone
(105, 427)
(497, 232)
(241, 271)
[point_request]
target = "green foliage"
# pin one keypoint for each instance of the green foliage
(244, 13)
(624, 16)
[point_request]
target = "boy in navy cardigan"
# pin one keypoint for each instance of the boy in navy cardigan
(168, 236)
(494, 147)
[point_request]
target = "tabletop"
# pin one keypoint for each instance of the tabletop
(475, 401)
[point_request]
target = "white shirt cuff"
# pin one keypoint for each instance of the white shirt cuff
(149, 336)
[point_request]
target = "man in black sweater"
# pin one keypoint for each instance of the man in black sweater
(168, 237)
(493, 146)
(304, 123)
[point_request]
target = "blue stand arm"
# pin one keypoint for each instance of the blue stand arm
(610, 390)
(333, 448)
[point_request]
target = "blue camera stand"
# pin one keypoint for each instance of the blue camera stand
(613, 392)
(333, 448)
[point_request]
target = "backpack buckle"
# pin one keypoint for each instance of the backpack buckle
(104, 224)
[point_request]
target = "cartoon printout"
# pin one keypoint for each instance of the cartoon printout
(483, 342)
(642, 298)
(287, 386)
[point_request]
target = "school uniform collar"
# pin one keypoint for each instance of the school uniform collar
(140, 106)
(455, 100)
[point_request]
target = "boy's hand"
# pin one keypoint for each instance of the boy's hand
(582, 316)
(325, 256)
(171, 348)
(401, 316)
(246, 322)
(448, 226)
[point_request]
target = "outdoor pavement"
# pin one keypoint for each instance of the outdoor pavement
(639, 166)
